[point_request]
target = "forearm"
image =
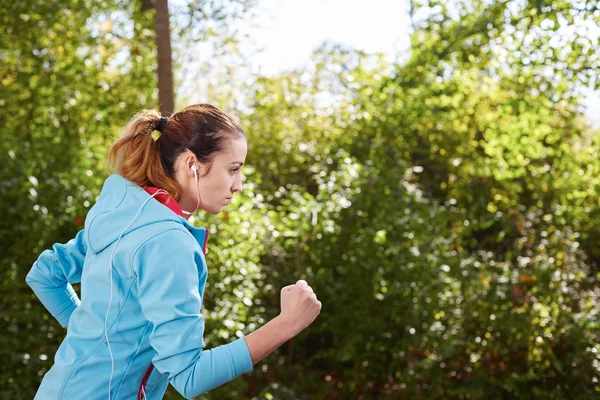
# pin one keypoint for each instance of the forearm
(268, 338)
(224, 363)
(58, 297)
(214, 368)
(53, 273)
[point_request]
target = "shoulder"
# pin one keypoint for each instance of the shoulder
(170, 232)
(168, 243)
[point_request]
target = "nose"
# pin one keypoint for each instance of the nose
(237, 184)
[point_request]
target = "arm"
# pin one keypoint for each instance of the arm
(51, 276)
(299, 308)
(268, 338)
(171, 274)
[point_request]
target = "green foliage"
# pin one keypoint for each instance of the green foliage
(445, 209)
(64, 88)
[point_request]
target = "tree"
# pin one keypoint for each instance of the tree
(435, 208)
(166, 99)
(72, 74)
(63, 90)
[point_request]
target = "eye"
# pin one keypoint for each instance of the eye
(234, 170)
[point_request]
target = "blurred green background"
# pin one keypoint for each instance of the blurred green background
(444, 206)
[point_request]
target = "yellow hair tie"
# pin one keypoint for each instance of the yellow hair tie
(158, 128)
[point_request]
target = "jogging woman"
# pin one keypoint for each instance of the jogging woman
(138, 325)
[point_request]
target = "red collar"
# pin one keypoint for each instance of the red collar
(165, 200)
(170, 203)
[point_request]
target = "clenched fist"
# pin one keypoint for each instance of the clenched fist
(299, 305)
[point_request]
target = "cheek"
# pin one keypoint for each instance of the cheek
(218, 184)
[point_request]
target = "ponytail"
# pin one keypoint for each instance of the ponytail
(136, 154)
(201, 128)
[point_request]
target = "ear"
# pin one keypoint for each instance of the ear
(190, 162)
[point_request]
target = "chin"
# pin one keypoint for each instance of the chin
(214, 211)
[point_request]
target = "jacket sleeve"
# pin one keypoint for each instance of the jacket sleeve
(171, 273)
(51, 276)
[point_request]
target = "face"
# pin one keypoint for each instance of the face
(218, 186)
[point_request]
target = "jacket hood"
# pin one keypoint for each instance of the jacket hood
(114, 212)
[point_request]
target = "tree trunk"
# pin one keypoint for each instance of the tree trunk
(147, 5)
(166, 98)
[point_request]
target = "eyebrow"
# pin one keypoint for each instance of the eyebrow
(238, 162)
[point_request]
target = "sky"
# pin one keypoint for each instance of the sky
(288, 31)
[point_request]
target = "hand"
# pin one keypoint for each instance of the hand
(299, 306)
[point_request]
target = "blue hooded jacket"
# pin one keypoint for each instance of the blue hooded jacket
(158, 278)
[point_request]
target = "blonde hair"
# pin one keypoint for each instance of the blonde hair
(203, 129)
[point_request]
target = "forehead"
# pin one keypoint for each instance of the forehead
(235, 150)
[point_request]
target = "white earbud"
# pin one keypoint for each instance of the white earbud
(194, 168)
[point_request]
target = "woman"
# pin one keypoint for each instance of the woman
(142, 270)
